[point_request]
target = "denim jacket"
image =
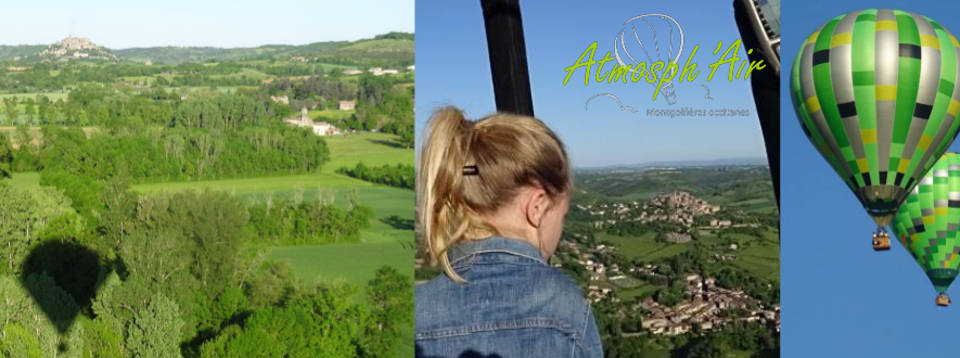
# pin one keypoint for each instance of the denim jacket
(512, 305)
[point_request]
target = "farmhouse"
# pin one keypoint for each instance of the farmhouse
(347, 105)
(352, 71)
(318, 128)
(378, 71)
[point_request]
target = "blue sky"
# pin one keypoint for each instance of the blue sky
(839, 297)
(453, 69)
(236, 23)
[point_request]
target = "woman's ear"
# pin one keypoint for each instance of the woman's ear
(535, 206)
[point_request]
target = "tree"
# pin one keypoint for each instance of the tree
(390, 297)
(10, 105)
(155, 330)
(27, 329)
(29, 109)
(6, 156)
(23, 215)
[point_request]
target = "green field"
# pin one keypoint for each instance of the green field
(759, 256)
(331, 114)
(644, 247)
(354, 263)
(373, 149)
(53, 96)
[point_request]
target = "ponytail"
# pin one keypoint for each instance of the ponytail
(467, 169)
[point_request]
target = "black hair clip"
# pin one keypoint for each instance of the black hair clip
(470, 170)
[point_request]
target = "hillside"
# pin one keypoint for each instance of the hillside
(393, 49)
(67, 49)
(18, 51)
(176, 55)
(76, 48)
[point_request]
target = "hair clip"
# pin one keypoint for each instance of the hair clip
(470, 170)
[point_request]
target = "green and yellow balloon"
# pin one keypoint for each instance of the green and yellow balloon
(877, 92)
(927, 224)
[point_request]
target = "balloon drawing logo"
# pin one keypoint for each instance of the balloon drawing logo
(665, 49)
(648, 38)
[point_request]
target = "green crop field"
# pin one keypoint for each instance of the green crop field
(352, 262)
(644, 247)
(373, 149)
(759, 256)
(332, 114)
(53, 96)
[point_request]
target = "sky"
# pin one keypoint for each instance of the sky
(453, 69)
(839, 297)
(119, 24)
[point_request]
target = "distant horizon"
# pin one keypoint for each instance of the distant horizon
(682, 162)
(204, 46)
(118, 24)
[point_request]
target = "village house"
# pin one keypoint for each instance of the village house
(318, 128)
(379, 71)
(352, 71)
(347, 105)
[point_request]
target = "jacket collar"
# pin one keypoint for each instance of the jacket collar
(468, 248)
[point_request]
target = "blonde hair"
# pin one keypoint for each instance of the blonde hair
(468, 169)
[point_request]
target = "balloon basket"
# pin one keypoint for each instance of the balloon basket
(943, 300)
(881, 241)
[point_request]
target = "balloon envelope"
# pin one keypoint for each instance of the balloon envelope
(877, 92)
(927, 222)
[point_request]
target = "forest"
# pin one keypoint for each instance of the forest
(189, 263)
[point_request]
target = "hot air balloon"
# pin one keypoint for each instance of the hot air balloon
(927, 224)
(877, 93)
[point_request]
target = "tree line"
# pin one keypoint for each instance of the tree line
(399, 175)
(286, 222)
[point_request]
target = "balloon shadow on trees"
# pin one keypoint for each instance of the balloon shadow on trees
(62, 277)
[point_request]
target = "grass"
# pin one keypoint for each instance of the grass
(758, 256)
(631, 294)
(761, 257)
(53, 96)
(354, 262)
(644, 246)
(328, 114)
(373, 149)
(261, 185)
(24, 180)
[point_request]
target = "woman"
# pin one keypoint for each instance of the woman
(491, 198)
